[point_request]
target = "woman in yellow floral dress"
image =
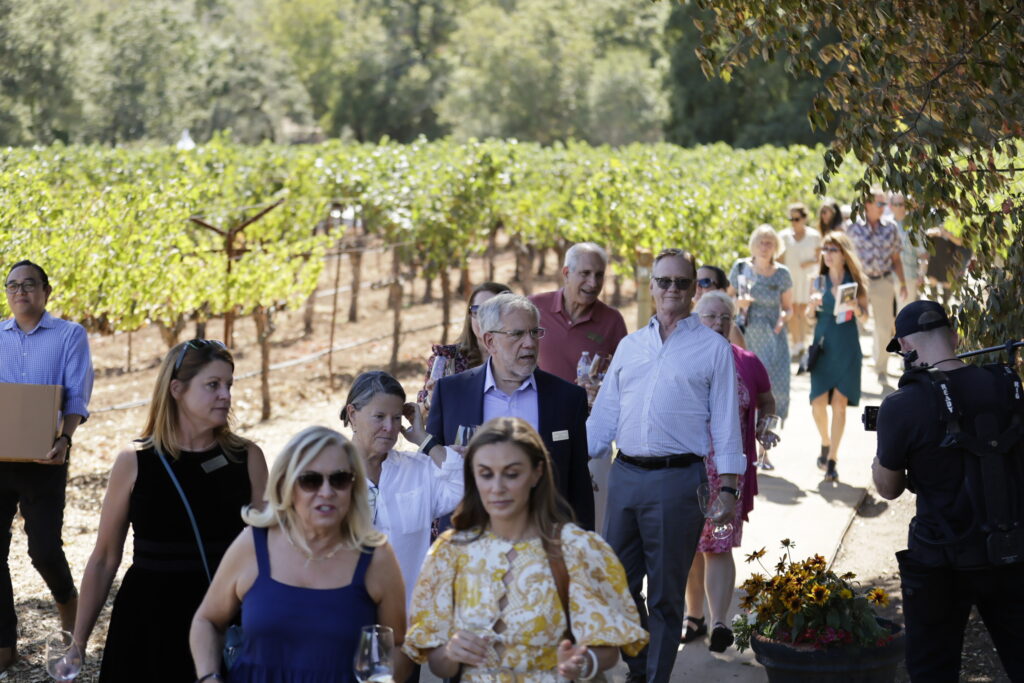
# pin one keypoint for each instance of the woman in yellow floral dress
(487, 603)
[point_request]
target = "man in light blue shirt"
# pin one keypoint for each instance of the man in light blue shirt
(671, 385)
(36, 348)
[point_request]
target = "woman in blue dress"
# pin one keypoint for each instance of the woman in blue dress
(835, 378)
(764, 293)
(308, 574)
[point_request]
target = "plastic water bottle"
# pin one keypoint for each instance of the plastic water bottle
(583, 366)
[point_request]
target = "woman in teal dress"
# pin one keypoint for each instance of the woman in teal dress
(765, 297)
(835, 378)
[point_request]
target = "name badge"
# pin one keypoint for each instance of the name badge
(214, 464)
(561, 435)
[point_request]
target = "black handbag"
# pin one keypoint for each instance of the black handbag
(234, 637)
(810, 357)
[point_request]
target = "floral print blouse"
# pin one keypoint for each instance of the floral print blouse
(506, 590)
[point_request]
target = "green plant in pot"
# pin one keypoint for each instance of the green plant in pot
(806, 622)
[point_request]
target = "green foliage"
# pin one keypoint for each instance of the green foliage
(928, 96)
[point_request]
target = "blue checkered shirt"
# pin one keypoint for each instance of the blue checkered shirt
(55, 352)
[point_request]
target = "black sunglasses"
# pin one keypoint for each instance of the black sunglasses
(681, 283)
(311, 481)
(196, 344)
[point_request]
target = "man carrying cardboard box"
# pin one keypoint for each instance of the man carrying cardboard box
(36, 348)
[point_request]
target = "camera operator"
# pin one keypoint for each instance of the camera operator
(949, 564)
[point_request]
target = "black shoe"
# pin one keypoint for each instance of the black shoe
(721, 638)
(690, 633)
(636, 678)
(831, 474)
(823, 458)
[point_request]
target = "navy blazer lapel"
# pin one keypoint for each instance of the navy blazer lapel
(474, 398)
(546, 403)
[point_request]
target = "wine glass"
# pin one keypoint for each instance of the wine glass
(63, 657)
(712, 507)
(766, 427)
(483, 627)
(373, 655)
(598, 367)
(464, 433)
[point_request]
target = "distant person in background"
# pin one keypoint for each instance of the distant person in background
(830, 216)
(37, 348)
(800, 254)
(878, 245)
(573, 318)
(846, 211)
(767, 303)
(910, 254)
(835, 377)
(946, 264)
(713, 279)
(468, 351)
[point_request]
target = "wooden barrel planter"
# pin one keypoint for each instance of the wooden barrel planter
(787, 663)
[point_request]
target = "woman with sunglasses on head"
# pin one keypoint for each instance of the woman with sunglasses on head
(468, 351)
(713, 279)
(830, 216)
(835, 377)
(187, 433)
(765, 289)
(800, 254)
(308, 573)
(407, 490)
(494, 593)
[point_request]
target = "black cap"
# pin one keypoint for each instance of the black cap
(917, 316)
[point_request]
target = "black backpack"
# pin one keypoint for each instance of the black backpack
(993, 473)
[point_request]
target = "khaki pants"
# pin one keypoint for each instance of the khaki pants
(881, 295)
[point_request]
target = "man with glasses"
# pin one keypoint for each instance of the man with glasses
(667, 383)
(37, 348)
(879, 244)
(509, 384)
(574, 318)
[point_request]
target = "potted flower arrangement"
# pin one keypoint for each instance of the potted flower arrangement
(808, 623)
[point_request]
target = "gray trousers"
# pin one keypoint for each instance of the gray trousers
(653, 523)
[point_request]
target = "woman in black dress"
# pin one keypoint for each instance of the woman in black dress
(188, 428)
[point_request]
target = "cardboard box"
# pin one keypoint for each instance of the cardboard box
(30, 420)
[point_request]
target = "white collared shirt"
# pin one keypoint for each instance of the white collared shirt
(662, 398)
(522, 403)
(413, 491)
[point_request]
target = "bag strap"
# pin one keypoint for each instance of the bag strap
(188, 509)
(556, 560)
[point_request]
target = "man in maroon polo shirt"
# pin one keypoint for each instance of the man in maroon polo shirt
(572, 317)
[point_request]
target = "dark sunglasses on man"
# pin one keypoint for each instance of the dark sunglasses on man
(681, 283)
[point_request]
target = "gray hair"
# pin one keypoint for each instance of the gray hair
(493, 310)
(572, 256)
(368, 385)
(719, 296)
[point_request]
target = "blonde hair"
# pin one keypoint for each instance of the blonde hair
(161, 431)
(357, 528)
(765, 230)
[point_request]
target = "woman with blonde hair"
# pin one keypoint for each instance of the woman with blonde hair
(835, 377)
(186, 450)
(499, 592)
(764, 292)
(308, 574)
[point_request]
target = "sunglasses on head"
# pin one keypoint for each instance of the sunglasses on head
(311, 481)
(666, 282)
(196, 344)
(705, 283)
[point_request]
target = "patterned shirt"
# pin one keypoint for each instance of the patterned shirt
(659, 397)
(56, 351)
(876, 245)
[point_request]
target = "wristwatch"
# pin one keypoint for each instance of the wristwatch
(428, 444)
(729, 489)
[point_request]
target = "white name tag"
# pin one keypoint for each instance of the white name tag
(561, 435)
(214, 464)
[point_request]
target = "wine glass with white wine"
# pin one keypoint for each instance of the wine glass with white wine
(373, 655)
(63, 656)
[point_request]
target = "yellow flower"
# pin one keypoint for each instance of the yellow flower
(846, 594)
(819, 594)
(877, 596)
(816, 563)
(786, 543)
(848, 576)
(794, 603)
(756, 555)
(747, 602)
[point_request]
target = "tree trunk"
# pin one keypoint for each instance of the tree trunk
(356, 258)
(446, 304)
(617, 291)
(492, 250)
(128, 363)
(170, 333)
(334, 319)
(264, 328)
(561, 246)
(395, 300)
(524, 261)
(541, 261)
(229, 328)
(412, 283)
(465, 284)
(428, 288)
(307, 315)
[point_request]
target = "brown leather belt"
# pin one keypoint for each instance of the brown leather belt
(661, 462)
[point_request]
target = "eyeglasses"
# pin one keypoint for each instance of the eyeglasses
(27, 286)
(473, 309)
(517, 335)
(724, 317)
(796, 219)
(311, 481)
(831, 250)
(196, 344)
(881, 203)
(681, 283)
(706, 283)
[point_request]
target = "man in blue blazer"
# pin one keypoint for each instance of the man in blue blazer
(510, 385)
